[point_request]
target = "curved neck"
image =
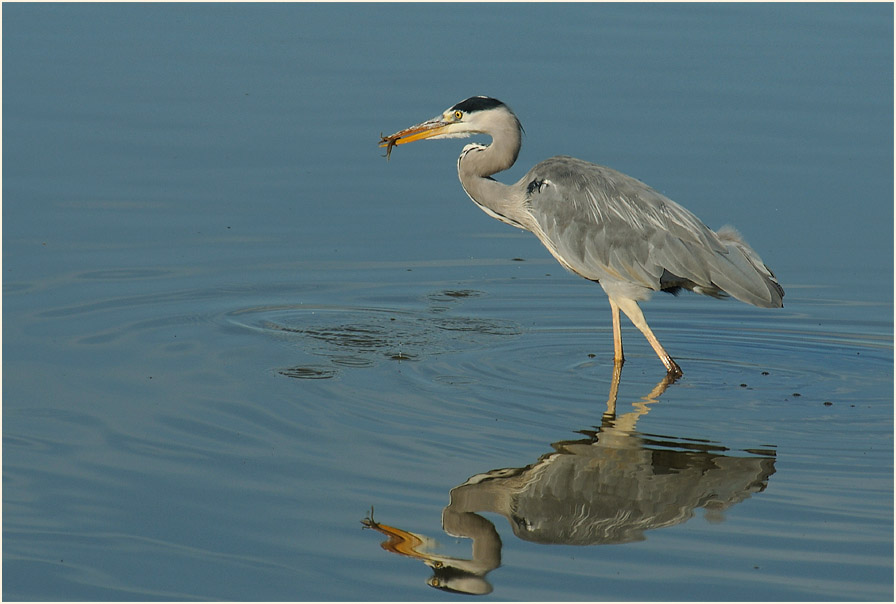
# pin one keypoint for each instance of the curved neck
(478, 162)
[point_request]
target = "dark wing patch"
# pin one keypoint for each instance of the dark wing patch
(536, 186)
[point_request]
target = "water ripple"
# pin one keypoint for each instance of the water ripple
(357, 337)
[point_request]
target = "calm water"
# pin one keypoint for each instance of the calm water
(230, 328)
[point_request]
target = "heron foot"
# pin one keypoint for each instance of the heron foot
(672, 368)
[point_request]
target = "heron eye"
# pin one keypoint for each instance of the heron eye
(458, 114)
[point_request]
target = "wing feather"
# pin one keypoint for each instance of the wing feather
(607, 226)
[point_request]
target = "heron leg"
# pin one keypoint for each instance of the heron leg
(618, 358)
(610, 413)
(633, 312)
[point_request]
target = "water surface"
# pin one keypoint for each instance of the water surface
(233, 331)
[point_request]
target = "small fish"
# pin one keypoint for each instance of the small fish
(389, 141)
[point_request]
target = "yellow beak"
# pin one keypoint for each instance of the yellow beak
(414, 133)
(427, 129)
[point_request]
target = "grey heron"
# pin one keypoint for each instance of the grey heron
(599, 223)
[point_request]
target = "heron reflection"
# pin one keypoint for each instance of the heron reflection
(609, 487)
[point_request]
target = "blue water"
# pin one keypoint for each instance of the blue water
(230, 327)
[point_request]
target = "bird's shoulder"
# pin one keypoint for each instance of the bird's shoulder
(570, 189)
(572, 176)
(592, 214)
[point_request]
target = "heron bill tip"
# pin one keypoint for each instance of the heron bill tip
(414, 133)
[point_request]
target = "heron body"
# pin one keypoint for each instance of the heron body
(599, 223)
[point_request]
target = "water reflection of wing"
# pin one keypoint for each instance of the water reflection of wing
(615, 484)
(610, 490)
(607, 488)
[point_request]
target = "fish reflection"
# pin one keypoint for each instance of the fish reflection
(607, 488)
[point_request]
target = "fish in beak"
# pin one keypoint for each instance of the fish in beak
(428, 129)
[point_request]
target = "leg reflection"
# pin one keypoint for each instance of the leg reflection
(628, 420)
(612, 487)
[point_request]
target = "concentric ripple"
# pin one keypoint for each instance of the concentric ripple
(354, 337)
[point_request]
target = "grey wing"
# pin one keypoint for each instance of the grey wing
(612, 228)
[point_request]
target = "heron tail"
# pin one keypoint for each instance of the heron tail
(745, 275)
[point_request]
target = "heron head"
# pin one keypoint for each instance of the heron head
(475, 115)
